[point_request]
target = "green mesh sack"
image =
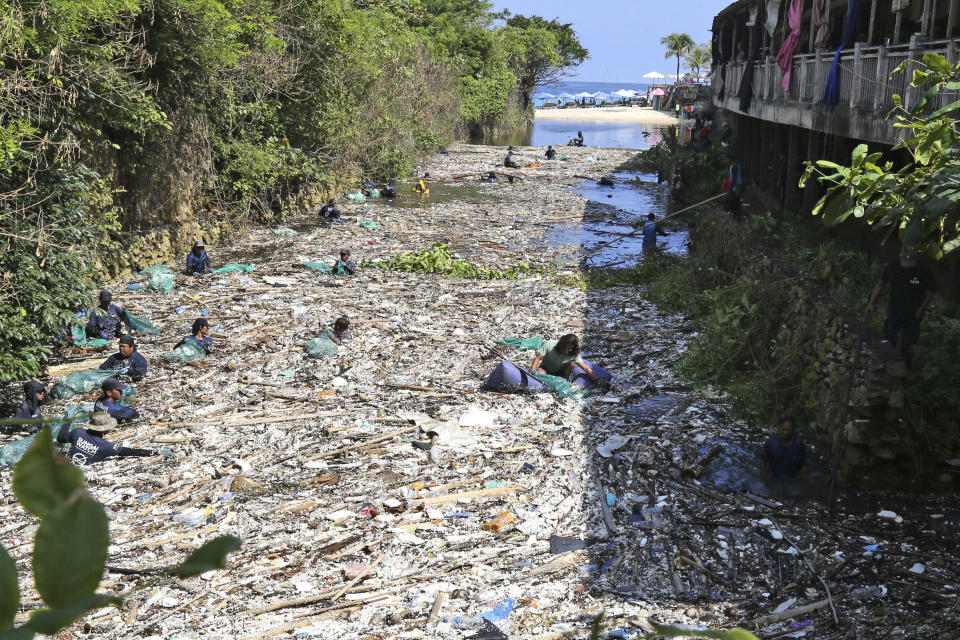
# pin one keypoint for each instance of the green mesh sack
(149, 271)
(162, 281)
(80, 382)
(368, 224)
(356, 197)
(322, 346)
(11, 452)
(523, 344)
(140, 325)
(322, 267)
(236, 268)
(338, 269)
(560, 386)
(189, 351)
(79, 336)
(374, 193)
(284, 232)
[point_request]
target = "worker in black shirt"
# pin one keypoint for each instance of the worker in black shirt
(127, 360)
(911, 288)
(34, 395)
(87, 445)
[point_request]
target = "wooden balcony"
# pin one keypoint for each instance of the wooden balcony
(866, 90)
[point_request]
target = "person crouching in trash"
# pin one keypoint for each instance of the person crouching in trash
(87, 445)
(109, 401)
(560, 357)
(344, 266)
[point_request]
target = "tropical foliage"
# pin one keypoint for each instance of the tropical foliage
(698, 58)
(119, 115)
(920, 200)
(678, 45)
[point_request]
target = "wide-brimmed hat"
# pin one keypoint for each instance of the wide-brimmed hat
(102, 421)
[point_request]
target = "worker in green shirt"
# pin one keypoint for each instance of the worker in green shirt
(560, 357)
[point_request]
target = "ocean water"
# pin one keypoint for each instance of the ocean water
(578, 86)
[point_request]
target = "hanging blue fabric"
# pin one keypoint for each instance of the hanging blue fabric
(831, 93)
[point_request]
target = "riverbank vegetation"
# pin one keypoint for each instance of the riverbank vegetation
(121, 116)
(768, 297)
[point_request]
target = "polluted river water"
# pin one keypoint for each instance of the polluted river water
(382, 492)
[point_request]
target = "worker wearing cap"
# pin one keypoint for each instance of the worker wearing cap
(34, 395)
(87, 445)
(105, 318)
(197, 261)
(127, 360)
(109, 401)
(344, 266)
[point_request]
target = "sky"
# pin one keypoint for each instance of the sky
(623, 36)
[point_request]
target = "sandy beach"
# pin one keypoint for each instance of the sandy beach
(644, 115)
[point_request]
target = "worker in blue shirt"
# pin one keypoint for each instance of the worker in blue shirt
(344, 266)
(197, 260)
(198, 335)
(330, 210)
(87, 445)
(104, 318)
(109, 401)
(390, 191)
(651, 231)
(127, 360)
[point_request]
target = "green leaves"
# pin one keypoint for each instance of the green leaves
(50, 621)
(212, 555)
(675, 631)
(43, 481)
(9, 590)
(70, 551)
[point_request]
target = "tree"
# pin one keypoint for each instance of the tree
(677, 44)
(541, 51)
(920, 202)
(697, 58)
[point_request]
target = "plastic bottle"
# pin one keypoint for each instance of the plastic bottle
(869, 593)
(498, 523)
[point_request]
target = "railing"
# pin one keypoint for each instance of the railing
(863, 74)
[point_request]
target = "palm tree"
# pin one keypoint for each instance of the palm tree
(677, 44)
(697, 58)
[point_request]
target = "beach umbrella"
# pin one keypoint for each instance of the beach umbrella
(568, 96)
(658, 92)
(543, 96)
(625, 93)
(583, 94)
(654, 75)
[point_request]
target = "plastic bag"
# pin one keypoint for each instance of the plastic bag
(356, 197)
(322, 267)
(80, 382)
(140, 325)
(149, 271)
(285, 232)
(162, 280)
(189, 351)
(368, 224)
(11, 452)
(561, 386)
(523, 344)
(235, 268)
(79, 336)
(322, 346)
